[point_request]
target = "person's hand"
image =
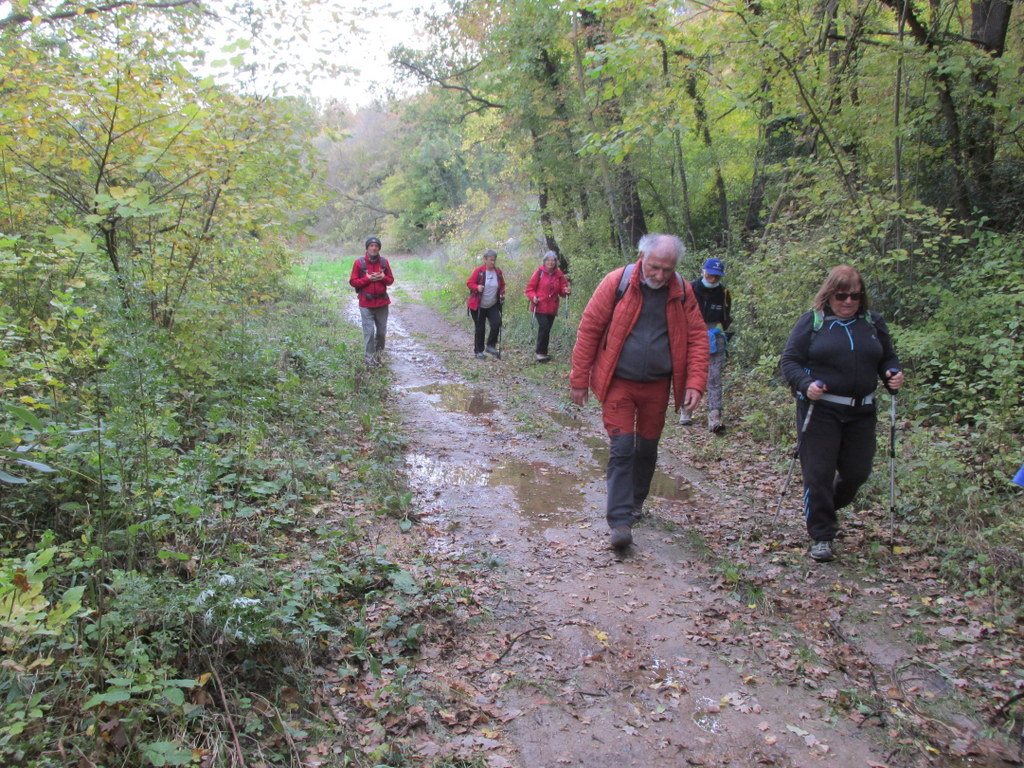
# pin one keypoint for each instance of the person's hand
(894, 380)
(568, 291)
(691, 399)
(578, 395)
(816, 390)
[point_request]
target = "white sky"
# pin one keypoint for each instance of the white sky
(382, 24)
(370, 56)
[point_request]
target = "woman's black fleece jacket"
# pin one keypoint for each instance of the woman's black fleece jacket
(848, 355)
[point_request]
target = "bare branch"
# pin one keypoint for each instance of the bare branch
(17, 19)
(360, 202)
(445, 81)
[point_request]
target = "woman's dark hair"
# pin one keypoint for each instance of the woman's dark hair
(841, 278)
(489, 252)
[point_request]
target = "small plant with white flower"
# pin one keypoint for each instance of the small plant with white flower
(235, 617)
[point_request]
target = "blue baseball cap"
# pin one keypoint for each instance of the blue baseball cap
(714, 267)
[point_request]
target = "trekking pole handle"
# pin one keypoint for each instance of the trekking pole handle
(888, 375)
(807, 416)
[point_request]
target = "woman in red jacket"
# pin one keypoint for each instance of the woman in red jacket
(545, 288)
(486, 295)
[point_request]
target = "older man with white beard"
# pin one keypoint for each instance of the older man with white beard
(641, 336)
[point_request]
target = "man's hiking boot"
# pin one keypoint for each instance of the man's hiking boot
(715, 422)
(481, 356)
(542, 358)
(494, 351)
(685, 417)
(622, 537)
(822, 551)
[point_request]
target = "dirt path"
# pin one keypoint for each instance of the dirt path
(657, 658)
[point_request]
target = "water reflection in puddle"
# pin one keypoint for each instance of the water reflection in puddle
(705, 715)
(438, 474)
(663, 485)
(666, 675)
(460, 398)
(564, 419)
(545, 495)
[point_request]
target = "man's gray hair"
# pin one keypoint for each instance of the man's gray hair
(648, 241)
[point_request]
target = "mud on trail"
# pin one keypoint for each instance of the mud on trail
(702, 645)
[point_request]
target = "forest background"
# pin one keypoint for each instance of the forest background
(159, 355)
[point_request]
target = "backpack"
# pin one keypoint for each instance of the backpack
(385, 267)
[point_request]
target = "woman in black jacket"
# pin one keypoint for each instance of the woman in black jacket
(834, 357)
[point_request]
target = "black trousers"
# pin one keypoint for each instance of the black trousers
(544, 323)
(631, 463)
(482, 317)
(835, 456)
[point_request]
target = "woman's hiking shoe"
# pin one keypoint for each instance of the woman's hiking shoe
(622, 537)
(822, 551)
(685, 417)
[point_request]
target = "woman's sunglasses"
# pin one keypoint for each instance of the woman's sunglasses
(843, 295)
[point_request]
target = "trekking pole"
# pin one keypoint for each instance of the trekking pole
(792, 463)
(892, 462)
(501, 324)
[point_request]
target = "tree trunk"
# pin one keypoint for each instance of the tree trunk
(990, 21)
(704, 130)
(624, 209)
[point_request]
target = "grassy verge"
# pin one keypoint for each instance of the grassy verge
(207, 582)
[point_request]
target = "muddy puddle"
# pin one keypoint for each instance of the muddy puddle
(545, 495)
(565, 419)
(540, 488)
(663, 485)
(459, 398)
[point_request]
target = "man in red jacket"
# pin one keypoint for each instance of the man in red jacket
(641, 335)
(371, 276)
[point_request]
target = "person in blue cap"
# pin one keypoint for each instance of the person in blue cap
(715, 302)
